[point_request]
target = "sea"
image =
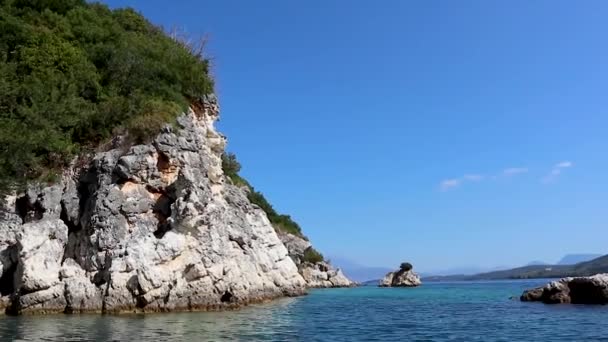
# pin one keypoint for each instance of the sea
(442, 311)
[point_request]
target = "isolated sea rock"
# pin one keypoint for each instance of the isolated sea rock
(317, 275)
(574, 290)
(404, 277)
(154, 227)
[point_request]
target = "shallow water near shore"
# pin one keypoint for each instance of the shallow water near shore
(457, 311)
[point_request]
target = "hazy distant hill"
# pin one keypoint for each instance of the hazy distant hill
(357, 272)
(536, 263)
(571, 259)
(597, 265)
(373, 282)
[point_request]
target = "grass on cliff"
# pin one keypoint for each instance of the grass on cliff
(74, 73)
(280, 222)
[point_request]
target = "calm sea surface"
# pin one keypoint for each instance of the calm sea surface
(458, 311)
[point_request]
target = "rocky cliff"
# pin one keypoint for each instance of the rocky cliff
(320, 274)
(152, 227)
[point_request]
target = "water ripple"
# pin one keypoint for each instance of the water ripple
(433, 312)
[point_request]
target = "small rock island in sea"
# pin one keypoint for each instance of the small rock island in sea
(577, 290)
(404, 277)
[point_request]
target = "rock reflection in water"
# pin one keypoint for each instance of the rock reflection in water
(258, 322)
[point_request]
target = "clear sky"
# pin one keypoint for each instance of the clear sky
(446, 133)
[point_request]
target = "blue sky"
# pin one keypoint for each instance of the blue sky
(440, 132)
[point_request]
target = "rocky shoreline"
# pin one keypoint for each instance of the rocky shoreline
(151, 228)
(572, 290)
(316, 274)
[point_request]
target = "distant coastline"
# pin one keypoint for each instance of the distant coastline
(586, 268)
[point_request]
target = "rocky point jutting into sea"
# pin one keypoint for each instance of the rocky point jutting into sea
(571, 290)
(318, 274)
(148, 228)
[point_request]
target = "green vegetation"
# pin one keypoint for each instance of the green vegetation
(73, 73)
(406, 266)
(280, 222)
(582, 269)
(311, 255)
(283, 223)
(231, 168)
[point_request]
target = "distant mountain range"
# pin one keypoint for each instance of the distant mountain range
(534, 269)
(571, 259)
(357, 272)
(536, 262)
(585, 268)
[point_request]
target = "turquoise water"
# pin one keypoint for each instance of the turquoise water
(434, 312)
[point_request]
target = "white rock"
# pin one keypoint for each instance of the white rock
(401, 278)
(155, 228)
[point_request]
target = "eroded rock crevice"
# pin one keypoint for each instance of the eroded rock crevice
(162, 211)
(9, 271)
(73, 227)
(86, 189)
(29, 209)
(227, 297)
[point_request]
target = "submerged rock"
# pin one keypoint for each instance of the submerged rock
(577, 290)
(318, 274)
(404, 277)
(151, 228)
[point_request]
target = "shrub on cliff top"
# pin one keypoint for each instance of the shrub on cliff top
(231, 166)
(312, 255)
(280, 222)
(406, 266)
(73, 72)
(283, 223)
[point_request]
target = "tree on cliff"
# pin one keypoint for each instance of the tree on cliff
(74, 73)
(280, 222)
(230, 165)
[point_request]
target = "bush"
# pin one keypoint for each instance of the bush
(230, 165)
(283, 223)
(72, 73)
(311, 255)
(280, 222)
(231, 168)
(155, 115)
(286, 224)
(406, 266)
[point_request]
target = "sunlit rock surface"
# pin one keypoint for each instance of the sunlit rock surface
(153, 227)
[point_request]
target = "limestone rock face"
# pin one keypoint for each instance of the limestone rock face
(324, 275)
(151, 228)
(317, 275)
(578, 290)
(296, 246)
(401, 278)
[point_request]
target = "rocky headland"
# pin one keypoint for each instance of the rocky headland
(116, 192)
(572, 290)
(319, 274)
(403, 277)
(149, 228)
